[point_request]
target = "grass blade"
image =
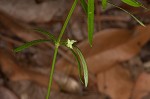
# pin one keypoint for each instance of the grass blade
(84, 6)
(79, 65)
(104, 4)
(90, 21)
(133, 3)
(128, 13)
(46, 33)
(28, 44)
(85, 69)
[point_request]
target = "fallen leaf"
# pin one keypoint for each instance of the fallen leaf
(41, 12)
(142, 86)
(7, 94)
(102, 41)
(115, 82)
(110, 47)
(21, 31)
(15, 72)
(123, 52)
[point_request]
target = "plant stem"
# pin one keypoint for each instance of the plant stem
(52, 72)
(57, 46)
(128, 13)
(67, 20)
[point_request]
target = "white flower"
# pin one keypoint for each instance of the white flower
(70, 43)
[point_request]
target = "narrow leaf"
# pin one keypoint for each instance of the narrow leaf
(84, 6)
(90, 20)
(28, 44)
(104, 4)
(133, 3)
(79, 65)
(85, 69)
(128, 13)
(46, 33)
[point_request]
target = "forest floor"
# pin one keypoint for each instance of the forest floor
(118, 62)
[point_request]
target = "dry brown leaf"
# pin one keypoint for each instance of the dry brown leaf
(123, 52)
(20, 30)
(15, 72)
(116, 83)
(142, 86)
(102, 41)
(25, 32)
(111, 48)
(30, 11)
(7, 94)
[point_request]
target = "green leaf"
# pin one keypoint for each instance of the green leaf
(28, 44)
(104, 4)
(46, 33)
(79, 65)
(85, 69)
(84, 6)
(133, 3)
(128, 13)
(90, 20)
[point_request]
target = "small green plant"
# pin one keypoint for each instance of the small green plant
(88, 7)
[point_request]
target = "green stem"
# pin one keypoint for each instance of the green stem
(52, 72)
(67, 20)
(57, 46)
(127, 13)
